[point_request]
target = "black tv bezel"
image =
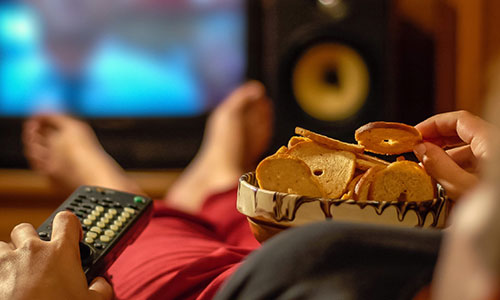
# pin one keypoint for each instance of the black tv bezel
(142, 142)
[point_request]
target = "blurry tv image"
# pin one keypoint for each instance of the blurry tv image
(106, 59)
(145, 74)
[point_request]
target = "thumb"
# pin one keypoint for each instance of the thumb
(439, 165)
(100, 289)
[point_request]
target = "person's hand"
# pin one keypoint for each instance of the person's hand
(465, 138)
(34, 269)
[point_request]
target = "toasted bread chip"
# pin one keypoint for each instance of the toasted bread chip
(297, 139)
(362, 189)
(287, 174)
(282, 150)
(329, 142)
(388, 137)
(333, 168)
(402, 181)
(372, 159)
(349, 194)
(363, 164)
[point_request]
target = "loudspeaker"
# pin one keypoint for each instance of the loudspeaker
(332, 65)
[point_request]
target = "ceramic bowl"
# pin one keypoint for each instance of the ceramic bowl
(271, 212)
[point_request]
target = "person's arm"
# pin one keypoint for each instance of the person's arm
(454, 145)
(34, 269)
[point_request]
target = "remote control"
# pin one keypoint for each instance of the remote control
(110, 219)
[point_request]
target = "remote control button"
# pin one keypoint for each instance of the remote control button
(104, 238)
(118, 223)
(44, 235)
(109, 192)
(86, 253)
(133, 206)
(99, 208)
(112, 211)
(92, 234)
(107, 200)
(85, 210)
(96, 229)
(89, 240)
(80, 214)
(109, 233)
(125, 215)
(108, 215)
(122, 219)
(96, 213)
(87, 222)
(91, 217)
(104, 220)
(82, 196)
(93, 199)
(99, 246)
(139, 199)
(114, 227)
(130, 210)
(117, 205)
(88, 189)
(86, 205)
(74, 204)
(69, 208)
(101, 224)
(78, 200)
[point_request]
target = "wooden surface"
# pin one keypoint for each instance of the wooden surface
(438, 19)
(467, 45)
(26, 196)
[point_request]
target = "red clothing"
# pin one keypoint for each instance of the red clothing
(184, 256)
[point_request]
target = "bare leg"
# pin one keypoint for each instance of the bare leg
(68, 152)
(237, 134)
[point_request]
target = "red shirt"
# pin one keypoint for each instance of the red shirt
(184, 256)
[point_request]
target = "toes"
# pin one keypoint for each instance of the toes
(250, 91)
(36, 140)
(36, 133)
(36, 154)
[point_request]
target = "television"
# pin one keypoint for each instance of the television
(145, 74)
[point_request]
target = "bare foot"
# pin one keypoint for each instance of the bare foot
(68, 152)
(237, 134)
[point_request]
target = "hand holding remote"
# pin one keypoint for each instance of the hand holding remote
(33, 269)
(110, 221)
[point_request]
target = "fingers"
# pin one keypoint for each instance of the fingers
(6, 247)
(464, 157)
(21, 233)
(101, 289)
(66, 228)
(439, 165)
(450, 128)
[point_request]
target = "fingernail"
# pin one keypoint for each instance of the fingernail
(420, 149)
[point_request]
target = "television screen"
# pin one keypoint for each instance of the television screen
(95, 58)
(134, 69)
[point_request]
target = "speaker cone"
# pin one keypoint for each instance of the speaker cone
(330, 81)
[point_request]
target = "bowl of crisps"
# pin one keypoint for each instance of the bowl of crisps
(317, 181)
